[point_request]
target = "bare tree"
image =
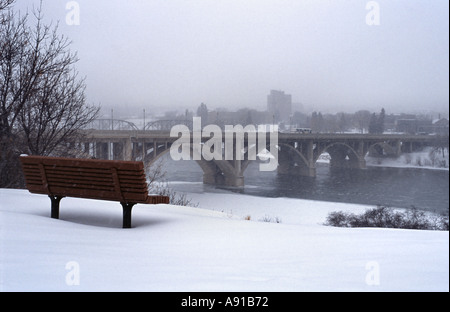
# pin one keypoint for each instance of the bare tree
(4, 4)
(362, 120)
(12, 50)
(42, 99)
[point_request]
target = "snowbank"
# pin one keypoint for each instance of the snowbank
(210, 248)
(429, 158)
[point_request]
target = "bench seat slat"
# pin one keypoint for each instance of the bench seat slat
(62, 170)
(88, 179)
(137, 176)
(34, 170)
(82, 171)
(91, 163)
(89, 171)
(91, 183)
(133, 183)
(59, 185)
(88, 174)
(33, 178)
(91, 194)
(81, 185)
(124, 190)
(133, 188)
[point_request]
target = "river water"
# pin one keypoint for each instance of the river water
(425, 189)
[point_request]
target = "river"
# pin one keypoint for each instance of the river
(425, 189)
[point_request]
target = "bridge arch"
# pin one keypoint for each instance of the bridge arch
(383, 149)
(216, 172)
(283, 148)
(292, 161)
(255, 150)
(343, 155)
(155, 152)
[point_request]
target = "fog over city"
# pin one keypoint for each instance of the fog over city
(331, 56)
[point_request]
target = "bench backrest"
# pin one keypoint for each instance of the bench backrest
(122, 181)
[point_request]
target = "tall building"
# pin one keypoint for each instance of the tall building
(279, 105)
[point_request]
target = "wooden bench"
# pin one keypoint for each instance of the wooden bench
(121, 181)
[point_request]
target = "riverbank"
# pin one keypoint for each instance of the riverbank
(231, 242)
(429, 158)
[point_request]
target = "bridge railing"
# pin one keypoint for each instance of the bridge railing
(166, 125)
(120, 124)
(111, 124)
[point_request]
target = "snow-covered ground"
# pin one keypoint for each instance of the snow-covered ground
(426, 159)
(209, 248)
(429, 158)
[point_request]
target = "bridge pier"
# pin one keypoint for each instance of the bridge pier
(117, 151)
(87, 148)
(209, 178)
(221, 180)
(234, 181)
(398, 148)
(222, 173)
(102, 150)
(127, 152)
(139, 150)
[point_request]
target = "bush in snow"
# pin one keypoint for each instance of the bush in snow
(386, 217)
(268, 218)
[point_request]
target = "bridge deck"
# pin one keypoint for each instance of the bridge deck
(125, 134)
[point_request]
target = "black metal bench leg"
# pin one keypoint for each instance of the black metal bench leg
(127, 214)
(55, 206)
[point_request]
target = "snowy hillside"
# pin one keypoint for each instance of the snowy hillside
(210, 248)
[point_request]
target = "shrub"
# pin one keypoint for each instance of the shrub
(268, 218)
(177, 199)
(338, 218)
(386, 217)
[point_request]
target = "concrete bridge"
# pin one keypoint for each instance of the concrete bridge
(296, 153)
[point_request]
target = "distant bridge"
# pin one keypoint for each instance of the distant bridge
(297, 153)
(120, 124)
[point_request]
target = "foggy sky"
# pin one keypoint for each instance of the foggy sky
(175, 54)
